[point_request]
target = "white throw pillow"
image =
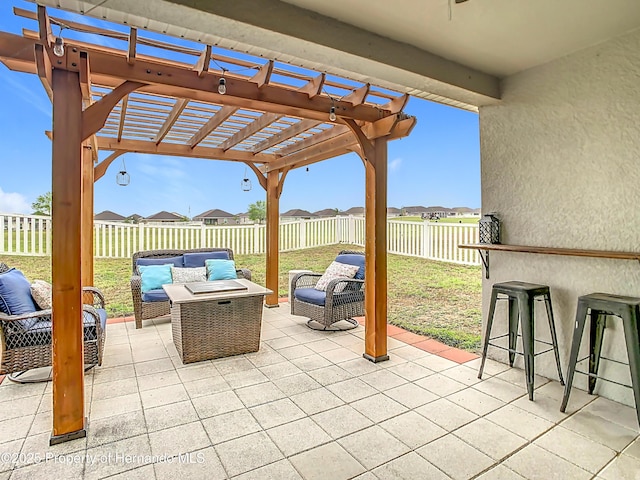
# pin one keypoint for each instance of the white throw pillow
(187, 275)
(336, 270)
(41, 292)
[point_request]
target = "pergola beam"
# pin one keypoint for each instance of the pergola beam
(133, 42)
(123, 113)
(246, 132)
(286, 134)
(202, 66)
(43, 65)
(174, 114)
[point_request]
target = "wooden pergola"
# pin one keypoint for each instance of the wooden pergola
(271, 118)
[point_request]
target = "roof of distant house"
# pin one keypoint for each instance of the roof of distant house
(108, 216)
(438, 208)
(164, 215)
(462, 209)
(393, 210)
(354, 210)
(296, 212)
(327, 212)
(135, 216)
(214, 213)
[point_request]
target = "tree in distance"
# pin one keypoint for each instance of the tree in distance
(258, 211)
(42, 205)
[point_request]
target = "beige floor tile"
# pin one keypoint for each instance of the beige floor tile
(604, 432)
(179, 440)
(49, 471)
(101, 374)
(577, 399)
(36, 448)
(245, 378)
(116, 360)
(15, 428)
(373, 446)
(281, 342)
(517, 377)
(500, 472)
(197, 371)
(206, 386)
(409, 467)
(447, 453)
(491, 367)
(614, 412)
(276, 413)
(622, 468)
(435, 363)
(440, 384)
(542, 406)
(171, 415)
(379, 407)
(341, 421)
(20, 407)
(281, 470)
(535, 463)
(576, 449)
(411, 395)
(383, 380)
(114, 428)
(109, 459)
(409, 352)
(216, 404)
(352, 390)
(226, 366)
(463, 374)
(15, 391)
(9, 455)
(413, 429)
(520, 422)
(280, 370)
(446, 414)
(228, 426)
(163, 395)
(154, 380)
(360, 366)
(264, 357)
(116, 388)
(296, 384)
(476, 401)
(259, 394)
(316, 401)
(633, 450)
(328, 375)
(329, 461)
(143, 473)
(410, 371)
(489, 438)
(322, 345)
(295, 351)
(505, 391)
(340, 355)
(247, 453)
(311, 362)
(298, 436)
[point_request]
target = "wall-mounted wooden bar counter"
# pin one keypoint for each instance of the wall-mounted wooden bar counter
(573, 252)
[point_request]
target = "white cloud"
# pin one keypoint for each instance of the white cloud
(13, 203)
(394, 164)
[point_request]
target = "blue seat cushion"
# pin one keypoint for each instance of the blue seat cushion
(40, 332)
(156, 295)
(353, 259)
(198, 259)
(175, 261)
(15, 296)
(311, 295)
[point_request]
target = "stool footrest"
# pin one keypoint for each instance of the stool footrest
(520, 353)
(593, 375)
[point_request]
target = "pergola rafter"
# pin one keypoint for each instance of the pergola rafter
(124, 101)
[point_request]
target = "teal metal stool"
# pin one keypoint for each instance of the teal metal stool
(597, 306)
(521, 296)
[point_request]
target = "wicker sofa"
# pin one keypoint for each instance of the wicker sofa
(343, 299)
(156, 303)
(25, 339)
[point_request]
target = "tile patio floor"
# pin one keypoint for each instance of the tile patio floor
(308, 406)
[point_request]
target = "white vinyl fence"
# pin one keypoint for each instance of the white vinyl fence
(31, 235)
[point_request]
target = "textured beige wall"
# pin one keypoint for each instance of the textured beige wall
(561, 167)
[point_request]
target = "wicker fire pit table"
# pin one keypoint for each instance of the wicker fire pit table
(215, 319)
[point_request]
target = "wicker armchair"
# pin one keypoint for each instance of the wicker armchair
(145, 310)
(25, 349)
(343, 299)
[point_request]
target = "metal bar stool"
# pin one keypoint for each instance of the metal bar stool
(600, 305)
(524, 294)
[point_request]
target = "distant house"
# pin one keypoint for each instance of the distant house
(440, 212)
(109, 216)
(215, 217)
(355, 211)
(416, 210)
(134, 218)
(326, 213)
(243, 219)
(466, 212)
(393, 212)
(295, 214)
(163, 217)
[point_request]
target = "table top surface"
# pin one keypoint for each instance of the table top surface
(178, 292)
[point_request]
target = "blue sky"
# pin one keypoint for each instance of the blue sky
(438, 164)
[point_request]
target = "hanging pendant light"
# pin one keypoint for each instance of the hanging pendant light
(122, 177)
(245, 184)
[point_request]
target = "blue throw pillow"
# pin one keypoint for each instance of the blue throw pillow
(197, 259)
(154, 276)
(221, 270)
(175, 261)
(15, 293)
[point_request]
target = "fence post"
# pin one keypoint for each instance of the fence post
(203, 236)
(352, 230)
(302, 234)
(141, 236)
(256, 238)
(426, 239)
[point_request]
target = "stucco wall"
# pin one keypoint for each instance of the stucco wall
(561, 167)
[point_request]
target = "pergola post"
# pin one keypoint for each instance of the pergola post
(66, 258)
(87, 215)
(273, 237)
(375, 296)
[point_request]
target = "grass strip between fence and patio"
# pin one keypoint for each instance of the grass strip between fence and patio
(437, 299)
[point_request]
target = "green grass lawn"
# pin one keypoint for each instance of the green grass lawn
(438, 299)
